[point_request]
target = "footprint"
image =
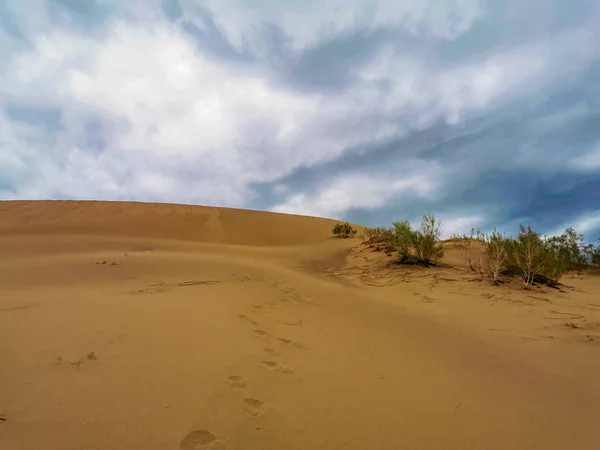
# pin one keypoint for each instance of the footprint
(201, 440)
(260, 333)
(276, 367)
(248, 319)
(270, 365)
(270, 351)
(236, 381)
(290, 342)
(253, 407)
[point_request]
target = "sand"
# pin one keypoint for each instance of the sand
(144, 326)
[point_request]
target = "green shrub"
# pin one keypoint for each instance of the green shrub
(401, 238)
(527, 255)
(543, 260)
(420, 246)
(343, 230)
(496, 254)
(379, 234)
(426, 240)
(592, 253)
(568, 247)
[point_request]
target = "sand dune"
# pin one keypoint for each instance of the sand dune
(144, 326)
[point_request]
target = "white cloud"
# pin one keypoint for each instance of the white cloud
(233, 128)
(584, 224)
(590, 162)
(310, 21)
(457, 91)
(366, 191)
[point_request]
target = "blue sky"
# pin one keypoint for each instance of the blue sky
(486, 113)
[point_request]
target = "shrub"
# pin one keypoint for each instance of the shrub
(527, 254)
(401, 238)
(568, 247)
(543, 260)
(343, 230)
(592, 253)
(420, 246)
(379, 234)
(426, 240)
(496, 254)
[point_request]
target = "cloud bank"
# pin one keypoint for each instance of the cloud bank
(485, 113)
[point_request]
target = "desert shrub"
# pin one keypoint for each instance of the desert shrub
(379, 234)
(401, 238)
(554, 267)
(343, 230)
(569, 248)
(527, 255)
(595, 255)
(592, 253)
(427, 240)
(496, 254)
(420, 246)
(542, 260)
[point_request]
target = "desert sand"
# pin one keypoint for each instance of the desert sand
(155, 326)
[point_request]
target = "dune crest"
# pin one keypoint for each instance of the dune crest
(161, 221)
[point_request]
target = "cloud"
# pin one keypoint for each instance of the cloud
(483, 113)
(590, 162)
(309, 22)
(341, 194)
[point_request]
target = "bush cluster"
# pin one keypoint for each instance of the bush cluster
(530, 256)
(420, 246)
(343, 230)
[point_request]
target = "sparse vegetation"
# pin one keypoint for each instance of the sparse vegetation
(496, 254)
(592, 253)
(475, 262)
(343, 230)
(378, 235)
(420, 246)
(78, 363)
(531, 257)
(426, 240)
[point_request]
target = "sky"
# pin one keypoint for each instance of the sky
(485, 113)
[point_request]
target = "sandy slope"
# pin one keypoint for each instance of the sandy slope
(248, 330)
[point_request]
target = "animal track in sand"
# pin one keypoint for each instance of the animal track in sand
(270, 351)
(201, 440)
(276, 367)
(254, 407)
(236, 381)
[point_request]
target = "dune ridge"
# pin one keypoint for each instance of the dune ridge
(161, 221)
